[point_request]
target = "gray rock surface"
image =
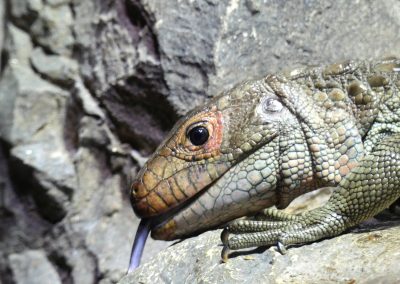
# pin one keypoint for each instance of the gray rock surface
(88, 88)
(367, 257)
(32, 266)
(2, 21)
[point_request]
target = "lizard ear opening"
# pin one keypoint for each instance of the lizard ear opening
(272, 105)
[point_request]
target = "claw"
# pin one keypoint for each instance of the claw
(281, 248)
(225, 254)
(225, 236)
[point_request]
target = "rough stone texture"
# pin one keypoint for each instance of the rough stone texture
(368, 257)
(2, 12)
(88, 88)
(32, 266)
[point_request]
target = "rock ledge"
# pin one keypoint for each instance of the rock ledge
(369, 254)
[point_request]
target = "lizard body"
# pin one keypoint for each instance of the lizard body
(267, 141)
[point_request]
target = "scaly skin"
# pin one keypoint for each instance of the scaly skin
(271, 140)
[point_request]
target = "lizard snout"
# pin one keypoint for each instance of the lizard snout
(144, 199)
(152, 195)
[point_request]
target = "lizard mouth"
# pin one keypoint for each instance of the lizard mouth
(158, 222)
(153, 224)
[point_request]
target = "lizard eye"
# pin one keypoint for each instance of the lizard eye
(198, 135)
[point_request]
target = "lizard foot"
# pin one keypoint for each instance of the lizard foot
(297, 229)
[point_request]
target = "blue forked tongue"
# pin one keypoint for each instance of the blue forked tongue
(138, 245)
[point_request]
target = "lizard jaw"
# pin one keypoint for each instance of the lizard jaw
(163, 226)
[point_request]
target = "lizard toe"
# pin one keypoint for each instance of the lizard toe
(274, 214)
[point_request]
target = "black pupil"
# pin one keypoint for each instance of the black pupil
(198, 135)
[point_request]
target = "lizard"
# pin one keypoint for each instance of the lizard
(268, 140)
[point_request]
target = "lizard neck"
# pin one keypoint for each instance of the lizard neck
(307, 163)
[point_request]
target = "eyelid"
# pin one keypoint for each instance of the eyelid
(193, 125)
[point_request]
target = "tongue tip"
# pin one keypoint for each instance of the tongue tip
(133, 264)
(131, 268)
(138, 245)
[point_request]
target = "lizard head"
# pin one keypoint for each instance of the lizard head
(190, 182)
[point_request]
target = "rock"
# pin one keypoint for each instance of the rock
(32, 120)
(32, 108)
(25, 12)
(59, 69)
(20, 44)
(143, 75)
(203, 56)
(2, 20)
(188, 59)
(56, 3)
(53, 29)
(21, 227)
(89, 104)
(49, 24)
(32, 266)
(29, 105)
(91, 133)
(343, 259)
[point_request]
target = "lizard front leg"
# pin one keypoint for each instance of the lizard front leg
(368, 189)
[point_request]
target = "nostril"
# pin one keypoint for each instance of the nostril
(135, 188)
(138, 190)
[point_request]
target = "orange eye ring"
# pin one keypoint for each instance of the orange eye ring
(210, 122)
